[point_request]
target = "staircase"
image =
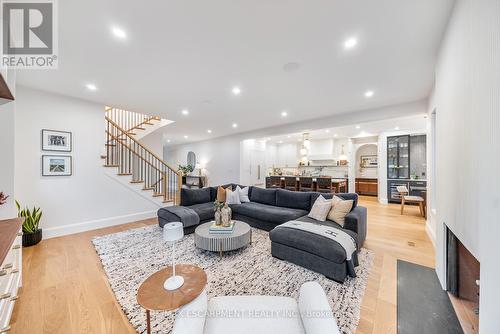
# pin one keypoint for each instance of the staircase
(132, 159)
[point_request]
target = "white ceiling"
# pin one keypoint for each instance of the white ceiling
(412, 124)
(189, 54)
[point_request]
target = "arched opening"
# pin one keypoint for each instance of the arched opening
(366, 169)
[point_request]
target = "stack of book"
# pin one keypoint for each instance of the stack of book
(221, 229)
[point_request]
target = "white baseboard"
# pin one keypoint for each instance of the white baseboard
(58, 231)
(383, 201)
(430, 233)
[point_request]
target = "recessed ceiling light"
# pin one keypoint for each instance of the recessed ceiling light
(235, 125)
(396, 128)
(168, 140)
(185, 112)
(281, 141)
(118, 32)
(369, 93)
(358, 126)
(236, 90)
(289, 136)
(350, 43)
(327, 131)
(284, 114)
(91, 86)
(335, 135)
(268, 139)
(209, 131)
(186, 137)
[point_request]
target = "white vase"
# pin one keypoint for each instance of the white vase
(226, 216)
(218, 217)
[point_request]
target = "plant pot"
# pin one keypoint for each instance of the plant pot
(31, 239)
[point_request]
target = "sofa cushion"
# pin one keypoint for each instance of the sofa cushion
(267, 213)
(204, 210)
(278, 315)
(346, 196)
(293, 199)
(310, 242)
(195, 196)
(264, 196)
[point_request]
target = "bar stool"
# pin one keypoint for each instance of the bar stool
(306, 184)
(291, 183)
(275, 182)
(405, 198)
(324, 185)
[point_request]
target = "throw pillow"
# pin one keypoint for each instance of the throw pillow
(221, 194)
(232, 197)
(243, 194)
(340, 209)
(320, 209)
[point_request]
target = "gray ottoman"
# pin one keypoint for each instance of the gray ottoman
(313, 251)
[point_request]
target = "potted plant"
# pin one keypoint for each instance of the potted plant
(31, 233)
(185, 170)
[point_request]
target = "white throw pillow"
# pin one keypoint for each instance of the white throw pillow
(340, 209)
(320, 209)
(243, 194)
(232, 197)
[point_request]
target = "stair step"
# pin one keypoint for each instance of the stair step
(132, 133)
(124, 174)
(168, 201)
(139, 128)
(104, 156)
(157, 194)
(111, 165)
(110, 144)
(148, 123)
(136, 181)
(148, 188)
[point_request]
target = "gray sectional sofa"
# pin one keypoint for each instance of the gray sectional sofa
(269, 208)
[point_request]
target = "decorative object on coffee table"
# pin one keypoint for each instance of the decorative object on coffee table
(32, 234)
(153, 297)
(223, 242)
(226, 215)
(218, 215)
(173, 232)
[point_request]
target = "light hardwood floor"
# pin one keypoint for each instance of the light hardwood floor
(65, 289)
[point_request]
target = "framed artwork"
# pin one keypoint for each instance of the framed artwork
(369, 161)
(57, 165)
(60, 141)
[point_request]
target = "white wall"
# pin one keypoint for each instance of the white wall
(366, 149)
(88, 199)
(221, 157)
(7, 142)
(467, 102)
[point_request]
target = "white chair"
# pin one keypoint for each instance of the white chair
(405, 198)
(311, 314)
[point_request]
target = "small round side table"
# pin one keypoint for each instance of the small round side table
(153, 297)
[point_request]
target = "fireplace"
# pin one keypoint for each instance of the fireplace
(462, 280)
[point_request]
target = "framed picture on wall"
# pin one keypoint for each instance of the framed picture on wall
(57, 165)
(60, 141)
(369, 161)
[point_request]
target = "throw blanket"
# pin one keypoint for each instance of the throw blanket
(337, 235)
(188, 217)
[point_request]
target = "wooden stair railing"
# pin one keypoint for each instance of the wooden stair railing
(129, 120)
(133, 158)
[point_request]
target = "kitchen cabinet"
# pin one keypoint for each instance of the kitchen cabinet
(365, 186)
(398, 157)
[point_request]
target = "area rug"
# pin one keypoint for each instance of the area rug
(131, 256)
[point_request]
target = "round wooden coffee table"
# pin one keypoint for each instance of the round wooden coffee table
(153, 297)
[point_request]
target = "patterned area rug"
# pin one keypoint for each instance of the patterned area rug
(130, 257)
